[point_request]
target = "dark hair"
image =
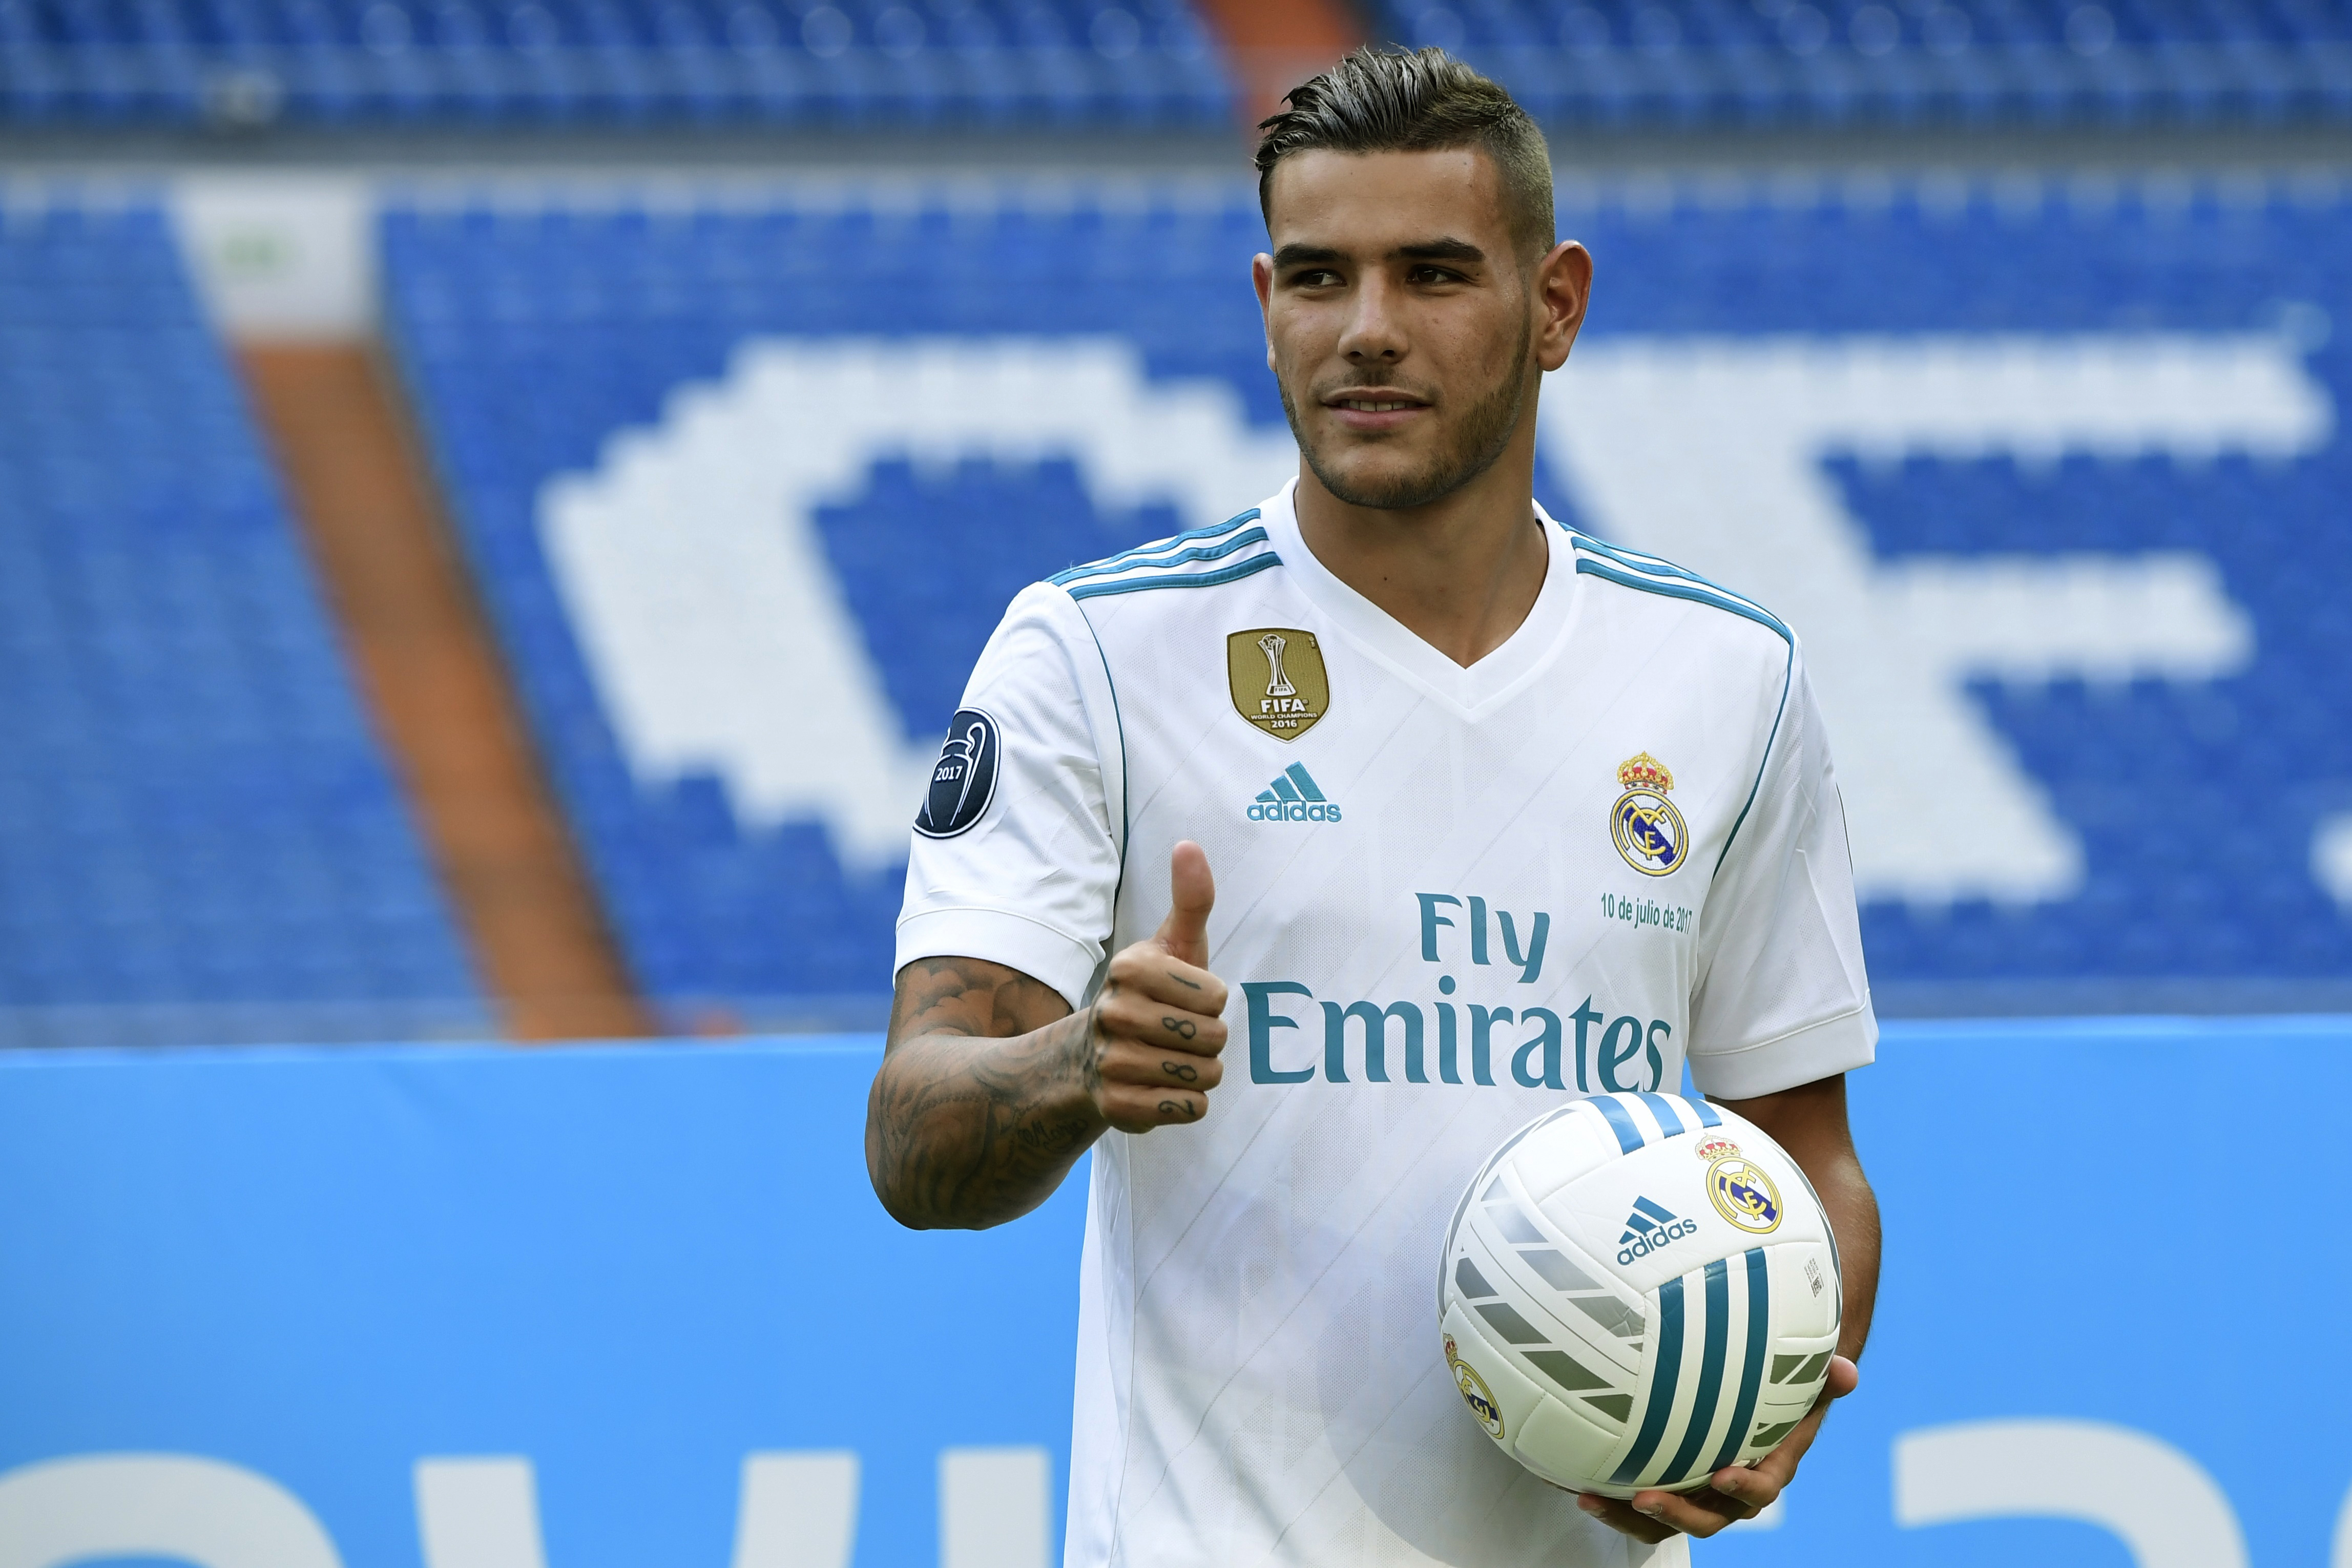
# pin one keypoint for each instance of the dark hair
(1392, 100)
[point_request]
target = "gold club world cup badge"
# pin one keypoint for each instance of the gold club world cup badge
(1474, 1392)
(1278, 680)
(1647, 830)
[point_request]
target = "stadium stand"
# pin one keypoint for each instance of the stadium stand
(1150, 64)
(531, 337)
(2208, 805)
(199, 841)
(1901, 62)
(1144, 65)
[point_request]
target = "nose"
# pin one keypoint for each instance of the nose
(1374, 333)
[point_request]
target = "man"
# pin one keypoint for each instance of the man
(1437, 746)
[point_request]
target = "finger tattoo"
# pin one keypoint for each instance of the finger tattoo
(1184, 1029)
(1184, 1070)
(1188, 985)
(1183, 1108)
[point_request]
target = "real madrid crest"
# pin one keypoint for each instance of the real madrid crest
(1649, 833)
(1742, 1193)
(1474, 1392)
(1278, 680)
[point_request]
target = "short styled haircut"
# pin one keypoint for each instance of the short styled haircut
(1392, 100)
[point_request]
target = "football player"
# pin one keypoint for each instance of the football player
(1498, 814)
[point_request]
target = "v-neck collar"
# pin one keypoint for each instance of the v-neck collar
(1521, 656)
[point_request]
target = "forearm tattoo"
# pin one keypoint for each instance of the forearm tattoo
(985, 1097)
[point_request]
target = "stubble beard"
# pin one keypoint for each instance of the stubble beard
(1484, 431)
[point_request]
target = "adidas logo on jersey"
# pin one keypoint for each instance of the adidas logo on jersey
(1650, 1226)
(1292, 797)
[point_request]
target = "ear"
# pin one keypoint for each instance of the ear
(1563, 289)
(1262, 279)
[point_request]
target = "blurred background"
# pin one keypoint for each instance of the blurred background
(498, 498)
(383, 394)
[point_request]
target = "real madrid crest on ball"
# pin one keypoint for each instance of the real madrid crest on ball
(1648, 830)
(1474, 1392)
(963, 781)
(1278, 680)
(1739, 1189)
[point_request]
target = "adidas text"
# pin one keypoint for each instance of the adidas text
(1644, 1245)
(1292, 797)
(1650, 1225)
(1292, 812)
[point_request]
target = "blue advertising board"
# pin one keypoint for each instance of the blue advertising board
(602, 1307)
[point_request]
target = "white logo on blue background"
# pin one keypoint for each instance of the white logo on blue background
(711, 617)
(1941, 808)
(1708, 451)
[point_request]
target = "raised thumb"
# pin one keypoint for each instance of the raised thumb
(1192, 892)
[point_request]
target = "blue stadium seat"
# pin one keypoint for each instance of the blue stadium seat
(1967, 62)
(192, 814)
(532, 339)
(1130, 64)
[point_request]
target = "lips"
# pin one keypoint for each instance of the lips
(1373, 399)
(1373, 411)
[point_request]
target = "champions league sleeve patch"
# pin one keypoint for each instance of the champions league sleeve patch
(964, 780)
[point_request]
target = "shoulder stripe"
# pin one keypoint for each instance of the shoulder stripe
(1233, 573)
(1658, 566)
(1140, 555)
(1217, 551)
(1641, 560)
(1696, 591)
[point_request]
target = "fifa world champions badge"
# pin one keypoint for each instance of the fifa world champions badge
(1474, 1392)
(1647, 830)
(1280, 682)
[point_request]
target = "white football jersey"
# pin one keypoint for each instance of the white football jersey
(1446, 899)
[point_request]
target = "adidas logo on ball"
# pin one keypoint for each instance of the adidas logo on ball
(1650, 1226)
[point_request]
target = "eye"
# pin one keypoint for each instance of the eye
(1314, 277)
(1428, 272)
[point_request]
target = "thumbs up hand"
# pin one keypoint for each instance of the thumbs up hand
(1184, 934)
(1156, 1030)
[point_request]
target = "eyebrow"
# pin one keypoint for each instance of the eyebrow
(1443, 249)
(1304, 255)
(1447, 249)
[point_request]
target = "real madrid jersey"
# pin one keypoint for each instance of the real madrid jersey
(1447, 900)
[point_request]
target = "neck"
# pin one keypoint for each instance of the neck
(1460, 573)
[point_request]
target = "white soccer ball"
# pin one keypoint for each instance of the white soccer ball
(1638, 1291)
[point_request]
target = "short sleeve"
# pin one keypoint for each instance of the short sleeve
(1782, 998)
(1026, 875)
